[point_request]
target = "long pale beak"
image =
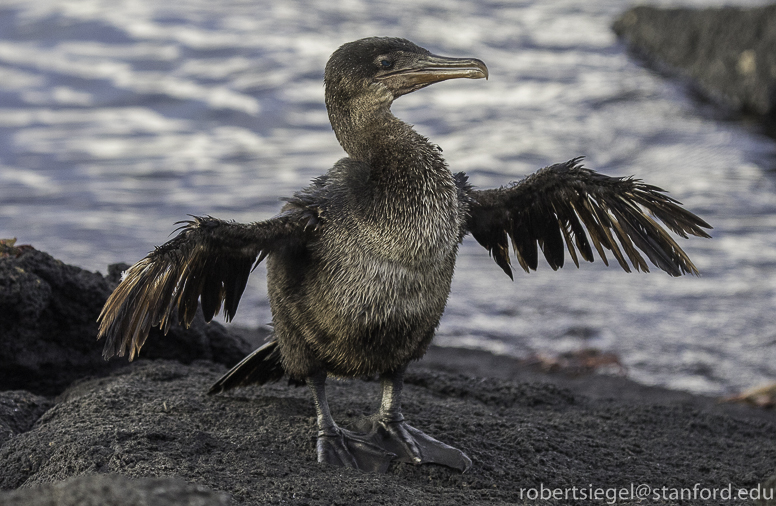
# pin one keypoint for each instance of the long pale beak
(429, 69)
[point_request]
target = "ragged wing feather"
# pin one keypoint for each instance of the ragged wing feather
(209, 260)
(557, 205)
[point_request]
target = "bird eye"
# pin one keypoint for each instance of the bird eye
(386, 63)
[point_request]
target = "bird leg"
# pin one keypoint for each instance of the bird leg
(340, 447)
(388, 430)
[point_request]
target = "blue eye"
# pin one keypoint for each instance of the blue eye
(386, 63)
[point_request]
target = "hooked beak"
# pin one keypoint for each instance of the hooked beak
(429, 69)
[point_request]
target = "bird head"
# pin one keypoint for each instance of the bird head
(386, 68)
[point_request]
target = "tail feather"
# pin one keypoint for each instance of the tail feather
(261, 366)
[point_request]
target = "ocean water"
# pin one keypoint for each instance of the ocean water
(118, 118)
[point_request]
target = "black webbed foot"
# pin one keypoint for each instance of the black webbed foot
(344, 448)
(377, 440)
(410, 444)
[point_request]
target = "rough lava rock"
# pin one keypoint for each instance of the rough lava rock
(48, 327)
(117, 490)
(19, 410)
(729, 53)
(153, 419)
(146, 433)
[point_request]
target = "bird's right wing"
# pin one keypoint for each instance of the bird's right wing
(210, 259)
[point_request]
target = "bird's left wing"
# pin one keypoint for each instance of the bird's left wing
(209, 259)
(557, 204)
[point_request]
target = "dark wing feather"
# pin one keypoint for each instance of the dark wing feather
(209, 260)
(558, 204)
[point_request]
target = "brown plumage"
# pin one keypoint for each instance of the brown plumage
(360, 262)
(209, 259)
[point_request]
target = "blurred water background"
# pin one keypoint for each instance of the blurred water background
(118, 118)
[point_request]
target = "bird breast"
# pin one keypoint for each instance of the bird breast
(396, 259)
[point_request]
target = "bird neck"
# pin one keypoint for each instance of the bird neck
(369, 132)
(407, 191)
(361, 120)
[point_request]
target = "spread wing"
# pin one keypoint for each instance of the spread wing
(210, 259)
(558, 204)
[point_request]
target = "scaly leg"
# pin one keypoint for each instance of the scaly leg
(340, 447)
(388, 430)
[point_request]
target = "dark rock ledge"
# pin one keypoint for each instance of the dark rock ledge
(48, 326)
(145, 433)
(728, 53)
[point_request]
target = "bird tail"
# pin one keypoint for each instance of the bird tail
(261, 366)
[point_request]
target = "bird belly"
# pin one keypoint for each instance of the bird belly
(354, 313)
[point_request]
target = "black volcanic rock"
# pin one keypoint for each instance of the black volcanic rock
(48, 327)
(19, 410)
(728, 53)
(146, 433)
(257, 444)
(116, 490)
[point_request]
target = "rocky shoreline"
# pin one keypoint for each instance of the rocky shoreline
(726, 54)
(76, 430)
(146, 433)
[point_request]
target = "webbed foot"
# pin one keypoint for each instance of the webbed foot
(340, 447)
(410, 444)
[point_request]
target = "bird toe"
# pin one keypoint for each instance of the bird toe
(347, 449)
(412, 445)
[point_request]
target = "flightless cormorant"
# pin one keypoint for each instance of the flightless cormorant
(359, 263)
